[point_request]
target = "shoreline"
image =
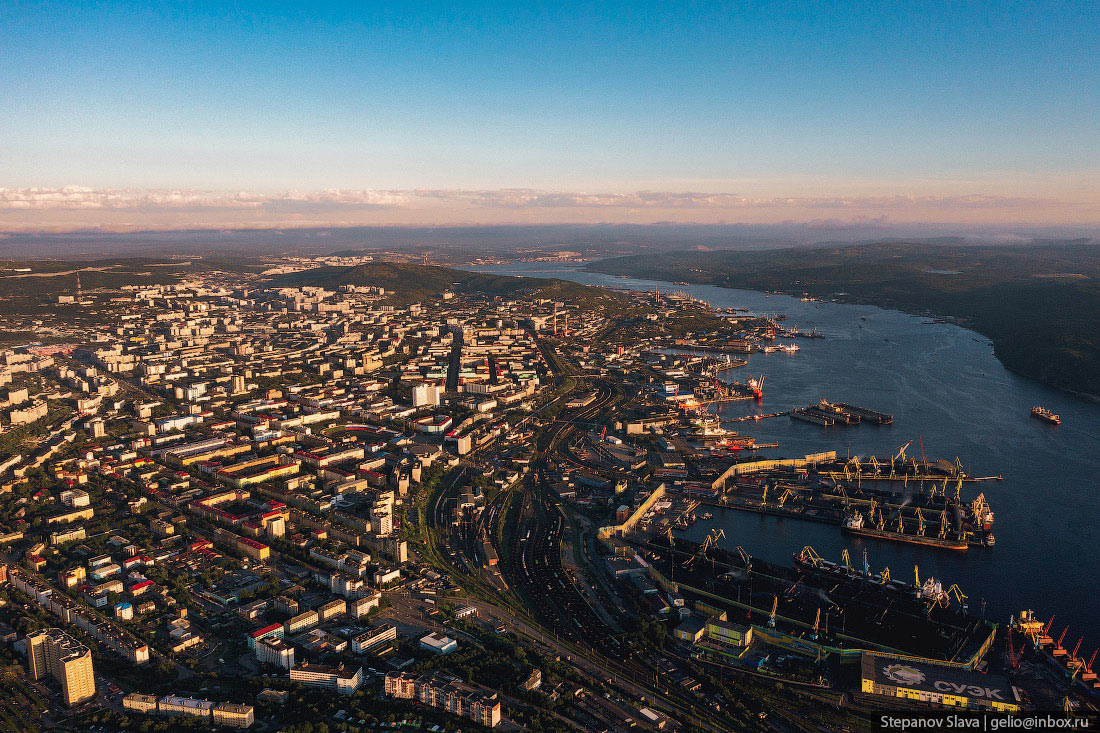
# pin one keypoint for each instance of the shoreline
(960, 321)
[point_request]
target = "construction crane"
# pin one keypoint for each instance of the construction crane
(775, 607)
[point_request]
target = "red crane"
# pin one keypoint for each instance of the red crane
(1058, 650)
(1013, 657)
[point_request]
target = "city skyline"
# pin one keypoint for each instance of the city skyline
(126, 117)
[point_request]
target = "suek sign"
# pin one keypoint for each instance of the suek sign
(907, 675)
(989, 693)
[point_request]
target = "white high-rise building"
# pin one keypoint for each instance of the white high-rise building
(425, 395)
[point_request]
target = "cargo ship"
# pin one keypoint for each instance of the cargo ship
(856, 524)
(1044, 414)
(931, 591)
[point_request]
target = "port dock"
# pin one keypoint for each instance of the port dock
(827, 414)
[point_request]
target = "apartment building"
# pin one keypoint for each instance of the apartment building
(53, 652)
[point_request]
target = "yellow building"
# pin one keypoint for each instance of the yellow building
(53, 652)
(233, 715)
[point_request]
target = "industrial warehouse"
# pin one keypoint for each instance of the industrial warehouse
(946, 686)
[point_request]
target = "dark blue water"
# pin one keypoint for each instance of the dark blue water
(942, 383)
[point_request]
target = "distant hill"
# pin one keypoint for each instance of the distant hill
(1039, 304)
(411, 283)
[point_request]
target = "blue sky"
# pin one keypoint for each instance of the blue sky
(764, 100)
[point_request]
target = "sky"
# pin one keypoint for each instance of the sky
(165, 115)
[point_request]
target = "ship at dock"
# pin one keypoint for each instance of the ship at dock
(856, 524)
(1038, 638)
(931, 514)
(930, 591)
(1045, 415)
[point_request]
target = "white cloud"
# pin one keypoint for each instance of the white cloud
(329, 200)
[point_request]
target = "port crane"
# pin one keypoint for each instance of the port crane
(920, 522)
(956, 592)
(899, 456)
(711, 541)
(847, 560)
(787, 494)
(1014, 657)
(809, 552)
(745, 558)
(672, 550)
(1073, 663)
(775, 607)
(1058, 651)
(817, 623)
(1088, 675)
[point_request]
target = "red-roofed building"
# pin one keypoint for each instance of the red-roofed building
(274, 630)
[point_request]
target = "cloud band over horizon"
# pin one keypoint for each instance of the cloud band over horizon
(29, 209)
